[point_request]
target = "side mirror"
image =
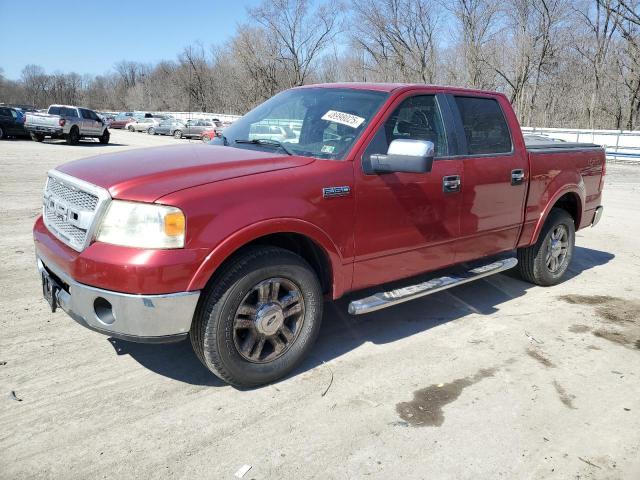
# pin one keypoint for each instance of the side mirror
(407, 156)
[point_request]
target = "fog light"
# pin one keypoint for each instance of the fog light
(104, 311)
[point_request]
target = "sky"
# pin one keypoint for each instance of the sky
(90, 36)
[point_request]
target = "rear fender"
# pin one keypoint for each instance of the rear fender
(577, 190)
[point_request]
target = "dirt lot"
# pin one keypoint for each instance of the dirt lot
(493, 379)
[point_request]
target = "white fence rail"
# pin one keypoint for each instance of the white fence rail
(199, 116)
(620, 145)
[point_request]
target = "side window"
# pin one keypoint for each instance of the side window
(4, 112)
(485, 127)
(68, 112)
(416, 118)
(85, 114)
(54, 110)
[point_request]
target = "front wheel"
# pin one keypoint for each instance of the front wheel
(546, 262)
(151, 131)
(131, 129)
(259, 317)
(1, 133)
(205, 139)
(177, 134)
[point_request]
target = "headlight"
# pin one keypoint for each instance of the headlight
(142, 225)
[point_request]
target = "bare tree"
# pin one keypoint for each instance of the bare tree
(300, 33)
(399, 36)
(477, 25)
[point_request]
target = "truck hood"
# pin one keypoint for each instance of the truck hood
(150, 173)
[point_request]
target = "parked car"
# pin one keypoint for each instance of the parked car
(210, 133)
(236, 245)
(193, 129)
(271, 132)
(121, 121)
(68, 122)
(143, 125)
(12, 123)
(168, 127)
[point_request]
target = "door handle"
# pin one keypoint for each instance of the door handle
(517, 176)
(451, 183)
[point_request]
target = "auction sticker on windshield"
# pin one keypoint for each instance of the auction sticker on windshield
(342, 118)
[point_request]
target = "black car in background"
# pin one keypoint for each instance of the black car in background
(12, 123)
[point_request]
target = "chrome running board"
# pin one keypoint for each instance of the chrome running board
(382, 300)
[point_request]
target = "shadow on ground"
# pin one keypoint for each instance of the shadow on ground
(342, 332)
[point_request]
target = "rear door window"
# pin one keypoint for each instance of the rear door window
(485, 127)
(68, 112)
(54, 110)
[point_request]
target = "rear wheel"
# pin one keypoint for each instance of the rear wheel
(177, 134)
(73, 137)
(131, 129)
(2, 134)
(259, 318)
(104, 138)
(546, 262)
(37, 137)
(151, 131)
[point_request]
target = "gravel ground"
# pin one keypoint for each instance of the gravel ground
(493, 379)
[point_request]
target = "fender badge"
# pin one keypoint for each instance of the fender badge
(331, 192)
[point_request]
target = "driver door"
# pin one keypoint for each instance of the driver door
(407, 223)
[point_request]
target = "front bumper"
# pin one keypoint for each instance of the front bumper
(139, 318)
(597, 216)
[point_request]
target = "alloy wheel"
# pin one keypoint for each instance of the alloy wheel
(268, 320)
(557, 248)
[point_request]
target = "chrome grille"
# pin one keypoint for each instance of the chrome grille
(77, 198)
(71, 207)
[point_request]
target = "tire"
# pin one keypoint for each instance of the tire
(205, 139)
(131, 129)
(151, 131)
(233, 329)
(104, 138)
(536, 263)
(177, 134)
(2, 134)
(37, 137)
(73, 137)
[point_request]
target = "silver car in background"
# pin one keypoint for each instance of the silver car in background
(194, 128)
(169, 127)
(143, 124)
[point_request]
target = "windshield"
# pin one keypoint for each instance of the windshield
(312, 122)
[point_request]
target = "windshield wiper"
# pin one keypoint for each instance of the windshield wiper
(264, 141)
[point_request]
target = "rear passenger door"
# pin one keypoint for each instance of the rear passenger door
(493, 178)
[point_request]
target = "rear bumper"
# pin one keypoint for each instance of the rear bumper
(597, 216)
(45, 130)
(139, 318)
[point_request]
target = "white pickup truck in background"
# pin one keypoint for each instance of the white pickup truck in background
(68, 122)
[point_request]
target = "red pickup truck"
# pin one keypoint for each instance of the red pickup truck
(237, 244)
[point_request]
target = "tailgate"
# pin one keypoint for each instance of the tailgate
(42, 120)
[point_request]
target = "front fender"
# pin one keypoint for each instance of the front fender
(231, 244)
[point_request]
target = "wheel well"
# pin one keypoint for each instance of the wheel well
(570, 203)
(304, 247)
